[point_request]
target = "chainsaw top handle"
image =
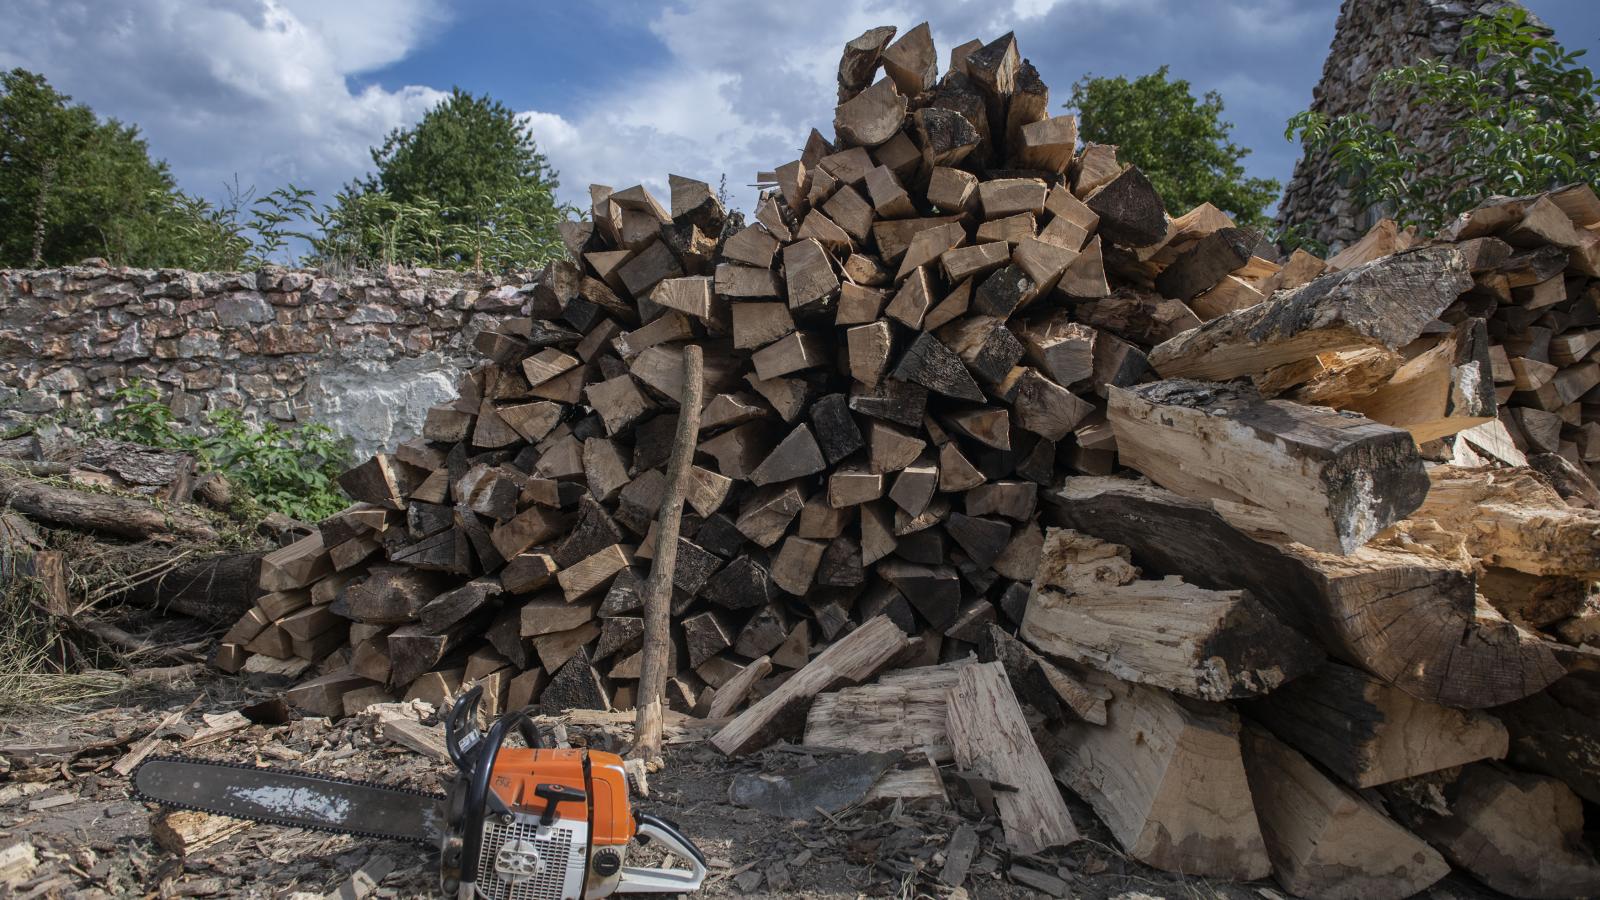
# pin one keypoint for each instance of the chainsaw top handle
(474, 753)
(462, 739)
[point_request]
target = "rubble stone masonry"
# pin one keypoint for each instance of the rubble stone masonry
(1373, 36)
(365, 354)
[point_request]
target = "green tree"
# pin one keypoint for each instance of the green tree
(1524, 118)
(467, 185)
(1179, 142)
(72, 186)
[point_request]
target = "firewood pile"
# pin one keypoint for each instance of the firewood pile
(1327, 634)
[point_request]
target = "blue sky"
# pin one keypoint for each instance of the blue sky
(622, 92)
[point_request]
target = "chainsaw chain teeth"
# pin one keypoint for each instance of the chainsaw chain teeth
(287, 823)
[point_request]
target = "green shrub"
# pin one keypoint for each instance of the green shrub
(288, 470)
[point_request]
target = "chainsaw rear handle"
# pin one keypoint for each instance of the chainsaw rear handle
(641, 880)
(463, 740)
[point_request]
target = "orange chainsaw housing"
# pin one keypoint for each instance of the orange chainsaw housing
(518, 771)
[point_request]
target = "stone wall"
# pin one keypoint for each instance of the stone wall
(1373, 36)
(365, 354)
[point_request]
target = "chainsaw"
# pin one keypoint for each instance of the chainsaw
(517, 824)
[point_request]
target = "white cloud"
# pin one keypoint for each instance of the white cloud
(260, 89)
(272, 90)
(744, 85)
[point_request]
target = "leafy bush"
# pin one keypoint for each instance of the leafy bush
(286, 470)
(1524, 118)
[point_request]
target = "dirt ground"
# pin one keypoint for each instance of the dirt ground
(60, 794)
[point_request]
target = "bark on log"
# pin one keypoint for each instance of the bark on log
(124, 516)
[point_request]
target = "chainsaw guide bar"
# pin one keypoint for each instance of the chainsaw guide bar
(292, 799)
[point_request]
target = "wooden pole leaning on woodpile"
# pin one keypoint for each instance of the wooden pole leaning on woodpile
(658, 588)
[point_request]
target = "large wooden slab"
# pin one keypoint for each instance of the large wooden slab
(1331, 480)
(1412, 620)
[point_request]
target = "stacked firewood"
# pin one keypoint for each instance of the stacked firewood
(1359, 524)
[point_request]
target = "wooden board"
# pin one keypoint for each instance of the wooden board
(990, 736)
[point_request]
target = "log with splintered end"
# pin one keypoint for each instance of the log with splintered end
(990, 736)
(1089, 604)
(1331, 480)
(1511, 519)
(1455, 655)
(1384, 303)
(860, 58)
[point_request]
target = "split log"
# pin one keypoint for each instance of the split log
(1206, 262)
(1384, 303)
(1440, 391)
(1557, 732)
(849, 660)
(1130, 210)
(1369, 733)
(1166, 776)
(1511, 519)
(1520, 834)
(1323, 838)
(1042, 684)
(1331, 480)
(872, 116)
